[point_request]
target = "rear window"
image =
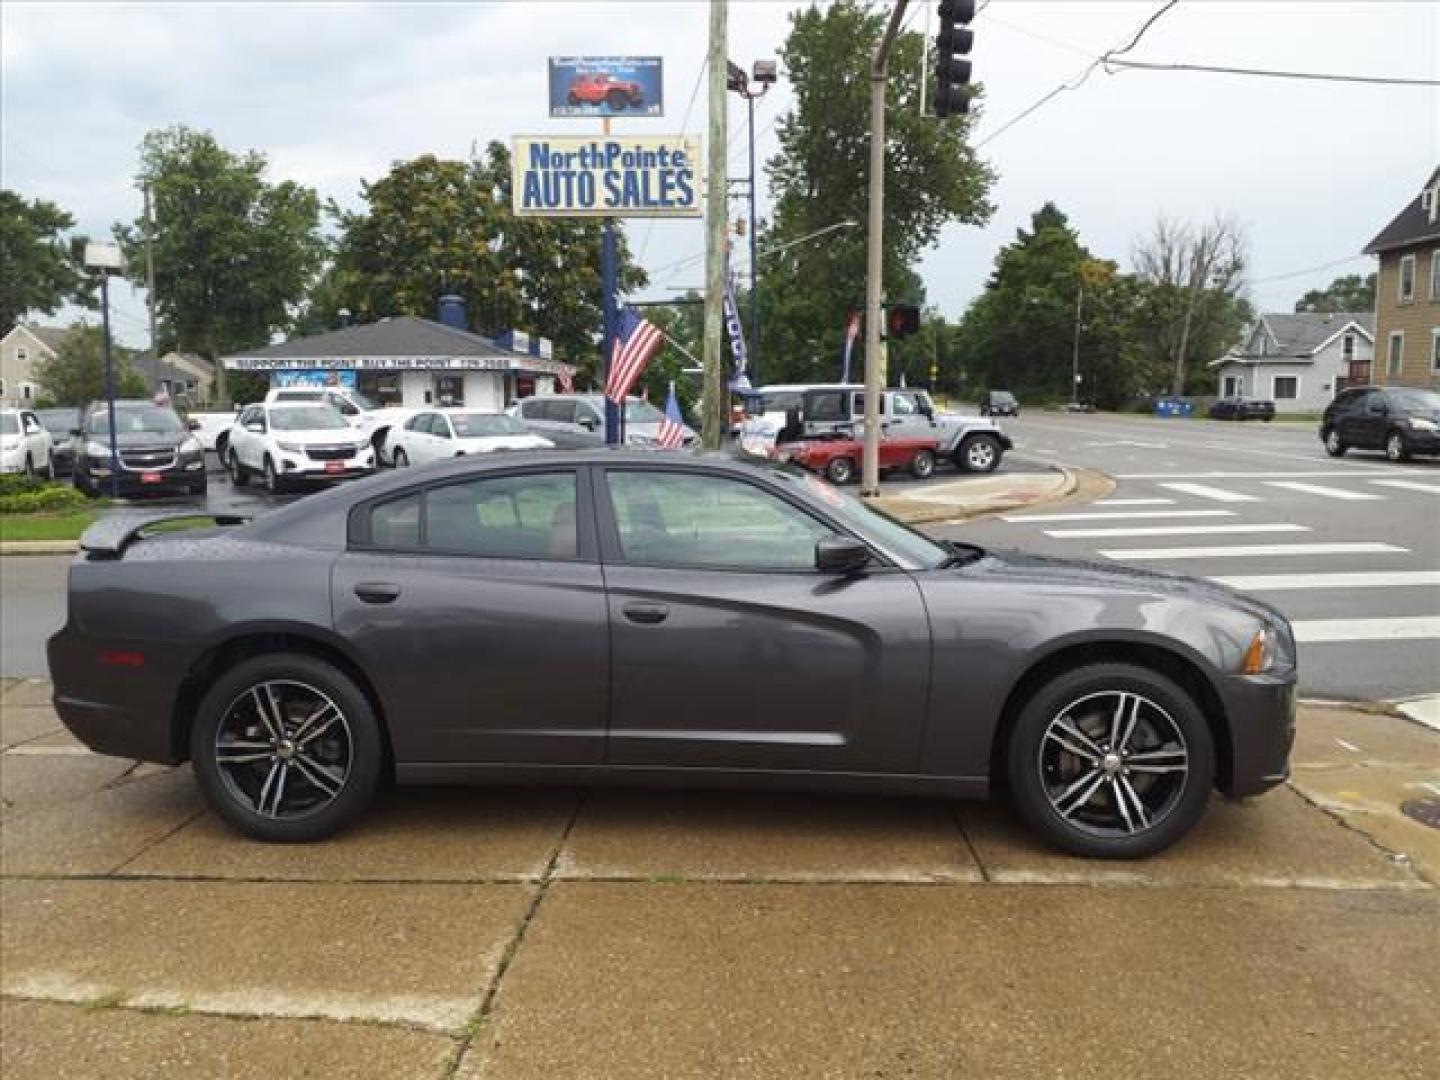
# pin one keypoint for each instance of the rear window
(531, 516)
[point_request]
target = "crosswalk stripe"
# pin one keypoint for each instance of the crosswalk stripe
(1175, 530)
(1119, 515)
(1253, 551)
(1317, 489)
(1407, 628)
(1220, 474)
(1205, 492)
(1378, 579)
(1136, 502)
(1410, 485)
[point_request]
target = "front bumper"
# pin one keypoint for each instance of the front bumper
(300, 466)
(184, 477)
(1261, 714)
(1421, 442)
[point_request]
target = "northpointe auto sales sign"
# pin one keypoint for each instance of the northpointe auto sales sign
(607, 176)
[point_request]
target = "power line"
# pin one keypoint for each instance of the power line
(694, 92)
(1316, 76)
(1309, 270)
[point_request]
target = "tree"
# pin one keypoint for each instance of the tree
(819, 179)
(433, 227)
(234, 254)
(38, 268)
(76, 373)
(1195, 275)
(1348, 293)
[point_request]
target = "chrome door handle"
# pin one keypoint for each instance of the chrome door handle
(377, 592)
(646, 614)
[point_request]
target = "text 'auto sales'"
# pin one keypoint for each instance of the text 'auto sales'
(633, 176)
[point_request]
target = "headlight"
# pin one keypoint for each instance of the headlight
(289, 447)
(1421, 424)
(98, 449)
(191, 448)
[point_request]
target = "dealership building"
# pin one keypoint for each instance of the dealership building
(415, 362)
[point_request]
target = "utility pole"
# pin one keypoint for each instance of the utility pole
(717, 396)
(875, 268)
(150, 288)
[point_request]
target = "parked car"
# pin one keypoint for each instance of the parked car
(445, 433)
(601, 87)
(285, 443)
(393, 628)
(578, 420)
(374, 420)
(999, 403)
(156, 453)
(838, 457)
(1242, 408)
(1400, 420)
(61, 424)
(25, 445)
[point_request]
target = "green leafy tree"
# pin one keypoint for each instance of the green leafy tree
(1349, 293)
(819, 178)
(76, 373)
(38, 267)
(234, 254)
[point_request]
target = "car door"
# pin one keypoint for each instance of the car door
(477, 607)
(419, 444)
(244, 441)
(908, 419)
(730, 650)
(1370, 419)
(439, 440)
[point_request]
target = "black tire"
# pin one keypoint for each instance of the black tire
(1395, 448)
(1042, 771)
(922, 465)
(840, 471)
(229, 701)
(239, 476)
(274, 482)
(1334, 445)
(377, 444)
(200, 487)
(400, 458)
(979, 454)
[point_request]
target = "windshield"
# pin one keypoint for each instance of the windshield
(642, 412)
(1416, 400)
(9, 424)
(873, 524)
(135, 419)
(287, 396)
(779, 402)
(307, 418)
(57, 421)
(476, 425)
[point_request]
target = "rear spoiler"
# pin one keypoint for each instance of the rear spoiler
(110, 536)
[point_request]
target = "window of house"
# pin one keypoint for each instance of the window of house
(1435, 274)
(27, 391)
(1287, 387)
(1347, 348)
(22, 354)
(1407, 279)
(1435, 349)
(1395, 356)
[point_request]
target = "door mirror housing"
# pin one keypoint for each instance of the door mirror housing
(841, 555)
(192, 425)
(589, 423)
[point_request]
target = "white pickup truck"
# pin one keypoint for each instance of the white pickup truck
(212, 429)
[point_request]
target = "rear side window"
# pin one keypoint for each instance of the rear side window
(396, 524)
(531, 516)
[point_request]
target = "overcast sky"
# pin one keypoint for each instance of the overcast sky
(333, 93)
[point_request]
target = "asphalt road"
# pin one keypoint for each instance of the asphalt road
(1348, 549)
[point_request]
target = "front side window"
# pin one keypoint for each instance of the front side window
(1407, 279)
(905, 405)
(1396, 354)
(681, 519)
(1287, 387)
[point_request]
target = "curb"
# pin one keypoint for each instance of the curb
(39, 547)
(917, 512)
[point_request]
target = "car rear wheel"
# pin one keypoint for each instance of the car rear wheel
(400, 458)
(286, 748)
(1111, 761)
(1334, 445)
(841, 471)
(979, 453)
(922, 465)
(1395, 448)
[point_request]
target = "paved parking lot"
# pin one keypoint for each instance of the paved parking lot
(517, 933)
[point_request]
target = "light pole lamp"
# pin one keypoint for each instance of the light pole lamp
(763, 74)
(105, 260)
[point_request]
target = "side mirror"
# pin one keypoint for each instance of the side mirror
(255, 426)
(841, 555)
(589, 423)
(192, 425)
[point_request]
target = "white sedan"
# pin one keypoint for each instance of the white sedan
(445, 433)
(285, 443)
(24, 444)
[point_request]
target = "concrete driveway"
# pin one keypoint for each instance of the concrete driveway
(611, 933)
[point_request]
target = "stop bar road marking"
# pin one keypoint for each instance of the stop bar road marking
(1175, 530)
(1218, 494)
(1317, 489)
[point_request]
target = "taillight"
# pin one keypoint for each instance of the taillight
(121, 658)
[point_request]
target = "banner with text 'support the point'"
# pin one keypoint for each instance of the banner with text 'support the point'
(607, 86)
(606, 176)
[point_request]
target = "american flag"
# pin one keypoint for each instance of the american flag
(671, 435)
(636, 342)
(566, 377)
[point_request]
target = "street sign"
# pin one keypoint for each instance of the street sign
(607, 86)
(606, 176)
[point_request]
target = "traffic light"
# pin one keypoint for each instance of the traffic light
(901, 320)
(952, 70)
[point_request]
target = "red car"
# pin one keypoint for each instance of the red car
(839, 459)
(595, 89)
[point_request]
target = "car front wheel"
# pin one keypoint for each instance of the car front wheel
(286, 748)
(273, 483)
(1395, 448)
(979, 453)
(841, 471)
(1111, 761)
(1334, 445)
(400, 458)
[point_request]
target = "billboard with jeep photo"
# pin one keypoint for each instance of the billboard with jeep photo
(607, 86)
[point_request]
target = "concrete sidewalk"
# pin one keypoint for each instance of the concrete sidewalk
(499, 933)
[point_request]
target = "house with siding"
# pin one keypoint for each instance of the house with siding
(1407, 292)
(1299, 360)
(21, 351)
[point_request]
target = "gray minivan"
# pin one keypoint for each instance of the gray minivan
(578, 420)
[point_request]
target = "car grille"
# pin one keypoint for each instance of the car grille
(148, 460)
(330, 453)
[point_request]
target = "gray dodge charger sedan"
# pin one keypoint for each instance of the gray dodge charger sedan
(643, 618)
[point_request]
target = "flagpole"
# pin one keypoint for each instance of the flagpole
(609, 285)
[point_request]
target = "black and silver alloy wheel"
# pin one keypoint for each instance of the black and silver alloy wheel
(1334, 445)
(1113, 763)
(284, 749)
(1395, 448)
(979, 454)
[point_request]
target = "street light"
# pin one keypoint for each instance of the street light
(106, 259)
(763, 73)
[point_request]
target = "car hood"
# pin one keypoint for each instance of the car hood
(143, 440)
(330, 437)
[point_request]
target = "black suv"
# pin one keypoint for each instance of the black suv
(156, 450)
(1242, 408)
(999, 403)
(1400, 420)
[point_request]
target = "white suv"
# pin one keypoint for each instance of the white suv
(285, 443)
(24, 444)
(359, 411)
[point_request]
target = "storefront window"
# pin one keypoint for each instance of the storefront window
(449, 390)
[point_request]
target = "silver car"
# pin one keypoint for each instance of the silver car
(578, 420)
